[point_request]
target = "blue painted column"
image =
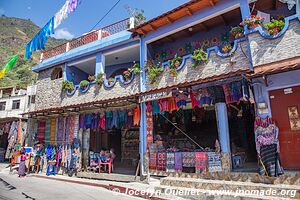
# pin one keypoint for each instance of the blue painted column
(100, 63)
(143, 145)
(245, 10)
(224, 139)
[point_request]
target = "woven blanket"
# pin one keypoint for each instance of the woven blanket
(170, 162)
(161, 161)
(188, 159)
(214, 162)
(47, 131)
(201, 162)
(71, 128)
(178, 161)
(152, 161)
(52, 130)
(60, 127)
(41, 131)
(268, 157)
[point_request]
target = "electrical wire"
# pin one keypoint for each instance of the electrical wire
(106, 14)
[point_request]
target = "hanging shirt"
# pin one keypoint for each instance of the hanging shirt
(136, 116)
(88, 120)
(155, 108)
(115, 119)
(101, 124)
(172, 104)
(108, 119)
(81, 121)
(193, 99)
(181, 98)
(163, 105)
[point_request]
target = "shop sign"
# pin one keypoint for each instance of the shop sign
(155, 96)
(214, 162)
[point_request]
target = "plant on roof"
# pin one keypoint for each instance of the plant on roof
(252, 21)
(111, 80)
(127, 74)
(227, 48)
(275, 26)
(91, 78)
(100, 79)
(83, 84)
(153, 71)
(199, 56)
(67, 85)
(237, 32)
(174, 64)
(137, 14)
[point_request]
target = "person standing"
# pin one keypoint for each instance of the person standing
(22, 163)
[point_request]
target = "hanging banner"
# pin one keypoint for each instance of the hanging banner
(155, 96)
(9, 65)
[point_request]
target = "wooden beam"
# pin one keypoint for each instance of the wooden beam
(188, 11)
(169, 20)
(153, 28)
(223, 19)
(204, 27)
(212, 3)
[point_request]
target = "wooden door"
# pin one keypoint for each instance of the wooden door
(285, 107)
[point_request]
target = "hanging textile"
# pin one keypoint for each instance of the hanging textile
(188, 159)
(152, 160)
(47, 132)
(40, 39)
(108, 119)
(163, 105)
(136, 116)
(201, 162)
(172, 104)
(270, 159)
(41, 131)
(170, 165)
(155, 108)
(290, 3)
(67, 129)
(76, 126)
(12, 138)
(193, 99)
(52, 130)
(62, 14)
(101, 124)
(161, 161)
(178, 161)
(181, 98)
(60, 130)
(81, 121)
(71, 128)
(8, 66)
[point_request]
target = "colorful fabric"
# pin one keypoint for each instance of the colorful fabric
(270, 159)
(214, 162)
(41, 131)
(88, 121)
(201, 162)
(47, 131)
(21, 171)
(178, 161)
(152, 161)
(193, 99)
(181, 98)
(161, 161)
(71, 128)
(81, 121)
(60, 130)
(170, 162)
(163, 105)
(9, 65)
(203, 97)
(108, 119)
(115, 119)
(95, 121)
(129, 119)
(172, 104)
(122, 118)
(136, 116)
(188, 159)
(266, 136)
(76, 126)
(101, 124)
(155, 108)
(52, 130)
(40, 39)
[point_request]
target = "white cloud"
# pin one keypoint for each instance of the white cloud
(63, 33)
(2, 11)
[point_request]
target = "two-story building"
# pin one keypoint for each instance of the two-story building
(189, 105)
(14, 102)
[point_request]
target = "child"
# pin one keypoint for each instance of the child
(102, 156)
(22, 163)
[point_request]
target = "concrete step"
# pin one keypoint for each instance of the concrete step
(238, 188)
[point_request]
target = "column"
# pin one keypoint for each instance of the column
(224, 139)
(245, 10)
(143, 154)
(100, 63)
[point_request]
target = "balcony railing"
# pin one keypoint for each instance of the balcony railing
(88, 38)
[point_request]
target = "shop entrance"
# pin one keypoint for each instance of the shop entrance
(241, 117)
(285, 107)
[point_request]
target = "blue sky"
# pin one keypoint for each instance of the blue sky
(86, 15)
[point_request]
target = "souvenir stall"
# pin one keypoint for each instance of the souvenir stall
(113, 129)
(184, 133)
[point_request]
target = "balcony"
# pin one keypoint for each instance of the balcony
(266, 48)
(88, 38)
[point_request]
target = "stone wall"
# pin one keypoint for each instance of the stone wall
(215, 66)
(48, 91)
(266, 51)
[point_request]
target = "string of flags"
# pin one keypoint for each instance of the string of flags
(39, 40)
(9, 65)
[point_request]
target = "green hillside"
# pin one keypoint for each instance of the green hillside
(15, 33)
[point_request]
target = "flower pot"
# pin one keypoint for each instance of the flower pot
(252, 26)
(239, 35)
(274, 31)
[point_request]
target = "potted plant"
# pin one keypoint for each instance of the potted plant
(153, 70)
(100, 79)
(174, 64)
(199, 56)
(127, 74)
(275, 26)
(111, 80)
(227, 48)
(91, 78)
(252, 22)
(67, 85)
(237, 32)
(136, 68)
(83, 84)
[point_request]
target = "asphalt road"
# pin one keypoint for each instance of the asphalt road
(32, 188)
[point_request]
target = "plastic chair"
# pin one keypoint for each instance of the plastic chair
(109, 164)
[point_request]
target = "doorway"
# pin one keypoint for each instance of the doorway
(285, 107)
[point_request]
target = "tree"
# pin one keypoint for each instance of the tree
(137, 14)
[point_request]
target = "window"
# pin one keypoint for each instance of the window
(57, 73)
(16, 104)
(31, 100)
(2, 105)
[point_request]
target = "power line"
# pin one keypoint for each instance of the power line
(106, 14)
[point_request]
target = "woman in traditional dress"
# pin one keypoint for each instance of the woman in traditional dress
(22, 164)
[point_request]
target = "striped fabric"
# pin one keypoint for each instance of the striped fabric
(47, 131)
(188, 159)
(71, 127)
(52, 130)
(60, 130)
(76, 126)
(170, 162)
(152, 161)
(161, 161)
(201, 162)
(41, 131)
(178, 161)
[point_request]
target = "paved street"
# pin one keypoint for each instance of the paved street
(12, 187)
